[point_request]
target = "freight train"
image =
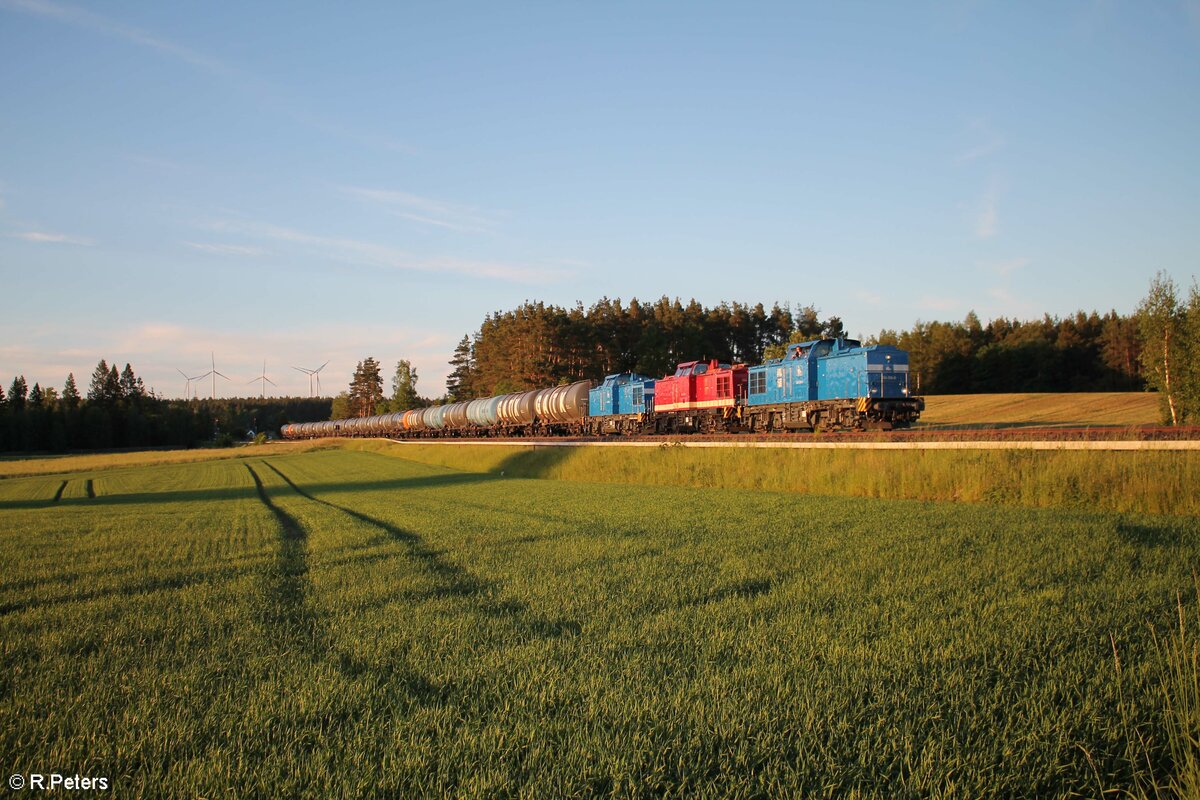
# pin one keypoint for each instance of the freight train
(826, 384)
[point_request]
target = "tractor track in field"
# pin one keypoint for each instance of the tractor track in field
(288, 613)
(454, 580)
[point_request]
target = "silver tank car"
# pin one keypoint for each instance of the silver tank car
(561, 404)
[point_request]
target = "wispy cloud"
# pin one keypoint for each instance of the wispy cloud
(1006, 268)
(83, 18)
(156, 349)
(936, 303)
(985, 141)
(1008, 304)
(425, 210)
(235, 77)
(227, 249)
(356, 251)
(987, 221)
(44, 237)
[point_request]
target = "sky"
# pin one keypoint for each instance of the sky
(294, 183)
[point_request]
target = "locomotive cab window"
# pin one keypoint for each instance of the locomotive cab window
(758, 382)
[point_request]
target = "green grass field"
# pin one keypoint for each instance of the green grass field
(349, 623)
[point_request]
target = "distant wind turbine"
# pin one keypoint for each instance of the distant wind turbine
(265, 380)
(187, 387)
(214, 373)
(313, 374)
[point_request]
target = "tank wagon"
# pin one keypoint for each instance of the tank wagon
(825, 384)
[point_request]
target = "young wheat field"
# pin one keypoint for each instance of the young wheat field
(342, 623)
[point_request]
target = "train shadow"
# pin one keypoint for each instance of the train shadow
(536, 462)
(242, 492)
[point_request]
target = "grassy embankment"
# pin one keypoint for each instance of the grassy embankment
(339, 623)
(1147, 482)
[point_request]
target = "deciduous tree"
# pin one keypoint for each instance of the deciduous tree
(1160, 322)
(404, 387)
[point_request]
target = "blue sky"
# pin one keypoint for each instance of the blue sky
(301, 183)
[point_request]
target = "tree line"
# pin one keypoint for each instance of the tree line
(365, 396)
(542, 345)
(119, 412)
(1157, 347)
(539, 345)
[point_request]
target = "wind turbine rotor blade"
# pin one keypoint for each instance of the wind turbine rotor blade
(302, 369)
(268, 380)
(223, 375)
(323, 366)
(177, 369)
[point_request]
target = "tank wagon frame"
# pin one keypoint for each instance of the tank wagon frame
(825, 384)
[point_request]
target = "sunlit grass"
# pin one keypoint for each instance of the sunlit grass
(1145, 482)
(1075, 409)
(18, 466)
(341, 623)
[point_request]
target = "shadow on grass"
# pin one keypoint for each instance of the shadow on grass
(536, 462)
(452, 580)
(291, 620)
(1151, 535)
(287, 615)
(125, 590)
(240, 492)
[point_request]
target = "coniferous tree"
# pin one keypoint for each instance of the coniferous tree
(131, 385)
(458, 384)
(70, 395)
(112, 385)
(36, 396)
(366, 390)
(96, 390)
(17, 393)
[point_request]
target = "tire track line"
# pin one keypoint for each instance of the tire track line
(456, 581)
(288, 614)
